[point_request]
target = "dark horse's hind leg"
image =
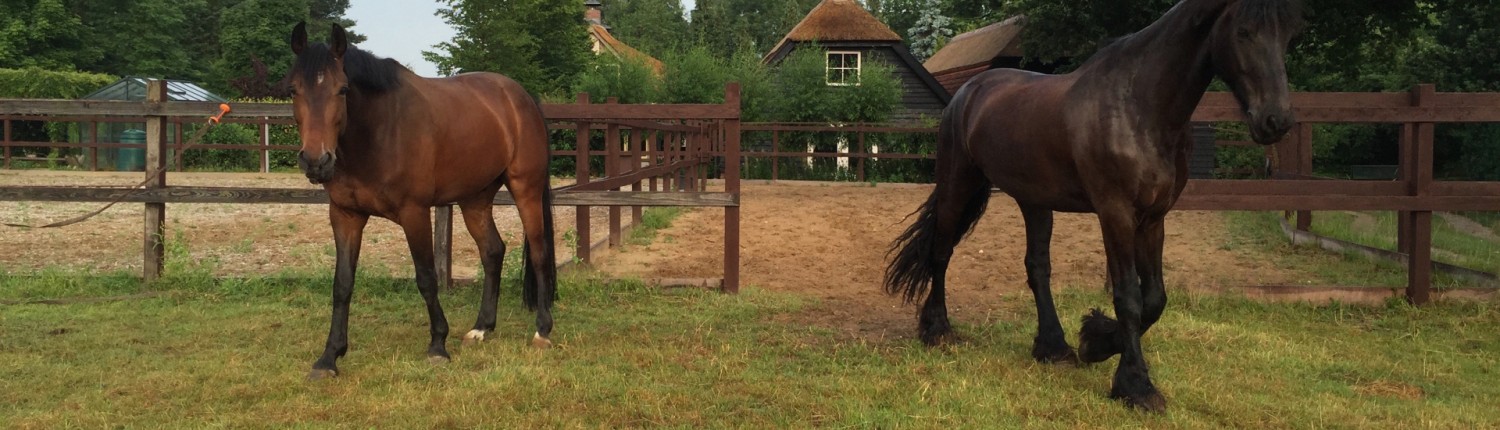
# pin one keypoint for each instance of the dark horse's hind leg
(1050, 345)
(417, 223)
(1132, 381)
(348, 231)
(480, 219)
(957, 203)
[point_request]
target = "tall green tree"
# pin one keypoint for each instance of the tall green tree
(43, 33)
(652, 26)
(931, 30)
(542, 44)
(257, 30)
(728, 26)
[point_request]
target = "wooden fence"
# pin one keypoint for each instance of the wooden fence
(713, 130)
(660, 153)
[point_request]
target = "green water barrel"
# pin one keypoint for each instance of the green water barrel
(132, 158)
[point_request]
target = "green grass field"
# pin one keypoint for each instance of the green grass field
(233, 353)
(193, 351)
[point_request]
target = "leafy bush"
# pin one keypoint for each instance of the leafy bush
(37, 83)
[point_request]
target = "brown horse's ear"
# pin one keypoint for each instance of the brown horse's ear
(299, 37)
(338, 43)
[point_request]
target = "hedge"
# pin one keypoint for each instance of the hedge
(37, 83)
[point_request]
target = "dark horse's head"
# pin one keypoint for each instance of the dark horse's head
(323, 79)
(1248, 49)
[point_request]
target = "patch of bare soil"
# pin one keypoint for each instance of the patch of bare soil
(829, 242)
(232, 239)
(1469, 226)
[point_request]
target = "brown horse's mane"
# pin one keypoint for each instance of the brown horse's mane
(364, 70)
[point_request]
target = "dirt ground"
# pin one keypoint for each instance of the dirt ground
(829, 242)
(232, 239)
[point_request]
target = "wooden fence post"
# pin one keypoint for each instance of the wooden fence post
(581, 176)
(94, 146)
(732, 186)
(265, 145)
(1419, 259)
(7, 141)
(775, 149)
(1304, 168)
(637, 149)
(611, 170)
(156, 177)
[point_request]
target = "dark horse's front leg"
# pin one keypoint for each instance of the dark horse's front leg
(416, 222)
(348, 231)
(1102, 337)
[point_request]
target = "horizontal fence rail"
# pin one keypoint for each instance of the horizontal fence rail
(656, 155)
(700, 141)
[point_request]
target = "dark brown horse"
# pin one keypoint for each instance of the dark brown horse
(1110, 138)
(385, 142)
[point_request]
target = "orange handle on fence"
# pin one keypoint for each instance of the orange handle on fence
(223, 109)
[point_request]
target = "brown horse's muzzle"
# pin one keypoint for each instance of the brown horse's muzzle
(318, 171)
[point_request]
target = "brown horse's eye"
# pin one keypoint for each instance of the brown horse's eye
(344, 90)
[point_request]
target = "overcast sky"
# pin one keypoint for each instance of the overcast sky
(402, 29)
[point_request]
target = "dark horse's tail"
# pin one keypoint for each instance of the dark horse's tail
(912, 269)
(531, 287)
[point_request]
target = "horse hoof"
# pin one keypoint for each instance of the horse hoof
(437, 360)
(1152, 402)
(1096, 341)
(318, 374)
(1065, 356)
(474, 337)
(539, 342)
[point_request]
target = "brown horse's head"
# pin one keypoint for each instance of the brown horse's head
(319, 88)
(1248, 49)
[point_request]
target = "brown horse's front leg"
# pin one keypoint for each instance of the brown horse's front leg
(348, 231)
(417, 223)
(1102, 337)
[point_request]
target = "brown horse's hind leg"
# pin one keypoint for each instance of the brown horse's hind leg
(480, 219)
(348, 231)
(417, 223)
(1050, 345)
(539, 274)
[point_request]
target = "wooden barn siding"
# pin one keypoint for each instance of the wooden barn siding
(1202, 159)
(917, 99)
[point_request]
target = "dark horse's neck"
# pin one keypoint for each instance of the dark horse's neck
(1165, 65)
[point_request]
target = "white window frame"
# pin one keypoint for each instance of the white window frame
(828, 68)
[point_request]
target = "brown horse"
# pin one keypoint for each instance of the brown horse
(1110, 138)
(385, 142)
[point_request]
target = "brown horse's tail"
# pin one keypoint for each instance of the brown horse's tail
(912, 269)
(533, 288)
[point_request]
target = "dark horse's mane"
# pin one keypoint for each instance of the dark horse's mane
(1285, 13)
(364, 70)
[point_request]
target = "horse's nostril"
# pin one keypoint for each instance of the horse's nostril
(325, 159)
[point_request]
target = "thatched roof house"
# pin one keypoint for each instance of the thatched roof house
(852, 36)
(605, 43)
(994, 45)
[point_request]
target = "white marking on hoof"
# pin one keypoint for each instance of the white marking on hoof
(540, 342)
(474, 336)
(437, 360)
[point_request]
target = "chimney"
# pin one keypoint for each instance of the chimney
(594, 13)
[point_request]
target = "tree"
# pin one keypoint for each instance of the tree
(542, 44)
(43, 33)
(652, 26)
(899, 15)
(256, 29)
(931, 30)
(728, 26)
